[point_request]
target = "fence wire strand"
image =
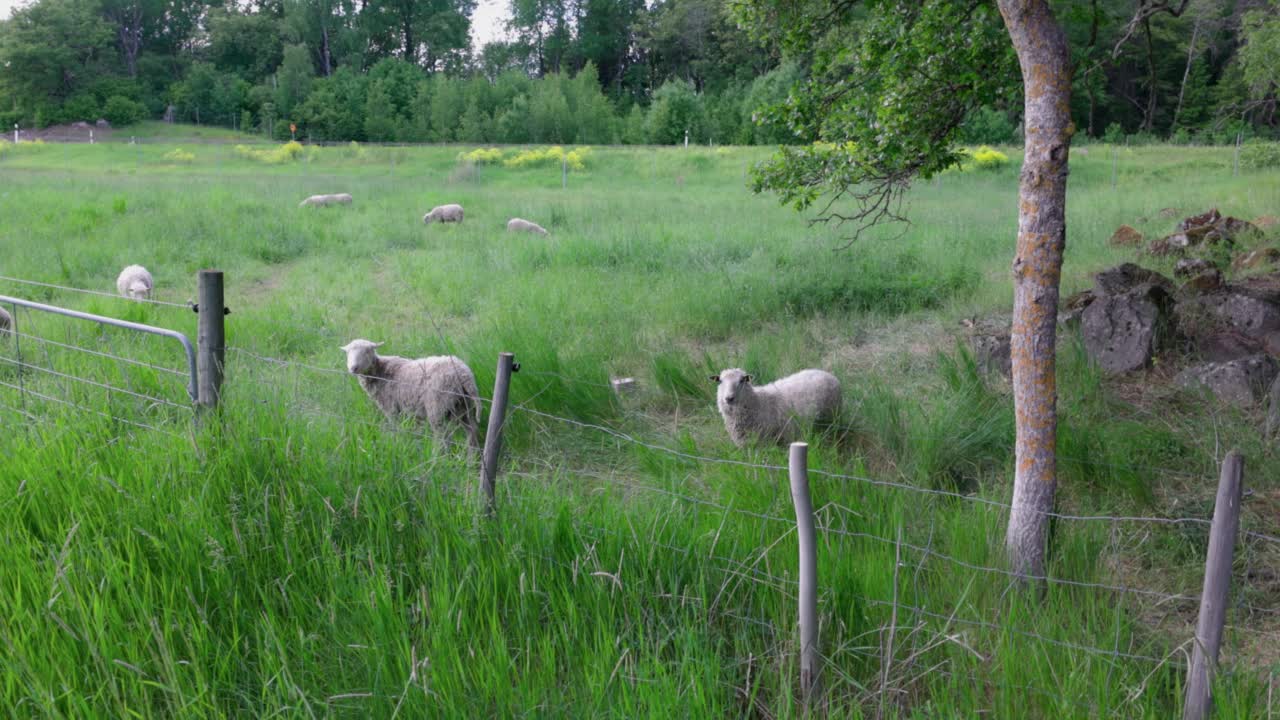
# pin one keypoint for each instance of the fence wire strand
(62, 401)
(94, 383)
(185, 306)
(109, 356)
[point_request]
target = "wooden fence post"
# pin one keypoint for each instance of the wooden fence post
(493, 438)
(1217, 580)
(808, 570)
(210, 337)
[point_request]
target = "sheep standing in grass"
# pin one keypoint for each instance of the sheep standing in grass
(439, 389)
(6, 323)
(326, 200)
(521, 225)
(444, 213)
(774, 413)
(135, 283)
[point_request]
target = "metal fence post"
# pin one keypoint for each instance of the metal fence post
(1217, 580)
(210, 337)
(493, 437)
(17, 349)
(1235, 163)
(799, 473)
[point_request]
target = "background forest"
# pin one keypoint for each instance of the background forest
(571, 71)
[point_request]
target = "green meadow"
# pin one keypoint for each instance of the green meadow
(295, 555)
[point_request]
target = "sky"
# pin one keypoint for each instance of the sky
(486, 24)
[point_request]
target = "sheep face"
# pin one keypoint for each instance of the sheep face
(733, 384)
(138, 290)
(361, 356)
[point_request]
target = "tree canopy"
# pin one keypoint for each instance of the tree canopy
(1207, 74)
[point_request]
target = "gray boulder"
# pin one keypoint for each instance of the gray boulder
(1123, 331)
(992, 352)
(1191, 267)
(1126, 277)
(1242, 382)
(1273, 413)
(1229, 308)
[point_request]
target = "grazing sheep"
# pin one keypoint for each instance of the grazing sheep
(439, 389)
(135, 283)
(773, 413)
(444, 213)
(326, 200)
(6, 323)
(521, 225)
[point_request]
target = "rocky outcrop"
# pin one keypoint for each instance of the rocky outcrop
(1243, 382)
(1126, 235)
(1209, 228)
(1254, 259)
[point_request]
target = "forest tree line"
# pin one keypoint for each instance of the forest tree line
(572, 71)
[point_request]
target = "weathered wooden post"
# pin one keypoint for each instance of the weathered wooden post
(493, 437)
(1217, 580)
(799, 473)
(210, 337)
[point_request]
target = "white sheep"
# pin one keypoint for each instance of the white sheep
(135, 282)
(444, 213)
(326, 200)
(439, 389)
(521, 225)
(774, 412)
(6, 322)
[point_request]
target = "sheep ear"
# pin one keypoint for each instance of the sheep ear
(715, 379)
(747, 378)
(346, 348)
(380, 344)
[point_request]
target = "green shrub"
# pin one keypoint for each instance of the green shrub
(80, 108)
(1114, 134)
(121, 111)
(1260, 156)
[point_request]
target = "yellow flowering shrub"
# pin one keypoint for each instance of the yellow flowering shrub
(178, 155)
(481, 156)
(287, 152)
(574, 159)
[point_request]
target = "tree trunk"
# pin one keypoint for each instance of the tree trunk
(326, 55)
(1042, 51)
(1149, 115)
(1093, 104)
(410, 44)
(1186, 72)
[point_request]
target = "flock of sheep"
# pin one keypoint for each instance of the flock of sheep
(442, 391)
(441, 213)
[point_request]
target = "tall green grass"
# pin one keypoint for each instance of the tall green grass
(296, 555)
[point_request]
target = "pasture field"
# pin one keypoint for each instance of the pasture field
(296, 556)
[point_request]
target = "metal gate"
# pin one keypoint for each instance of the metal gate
(17, 334)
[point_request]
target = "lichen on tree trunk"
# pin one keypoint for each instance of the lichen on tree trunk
(1037, 269)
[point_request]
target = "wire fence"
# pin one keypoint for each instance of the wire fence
(842, 529)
